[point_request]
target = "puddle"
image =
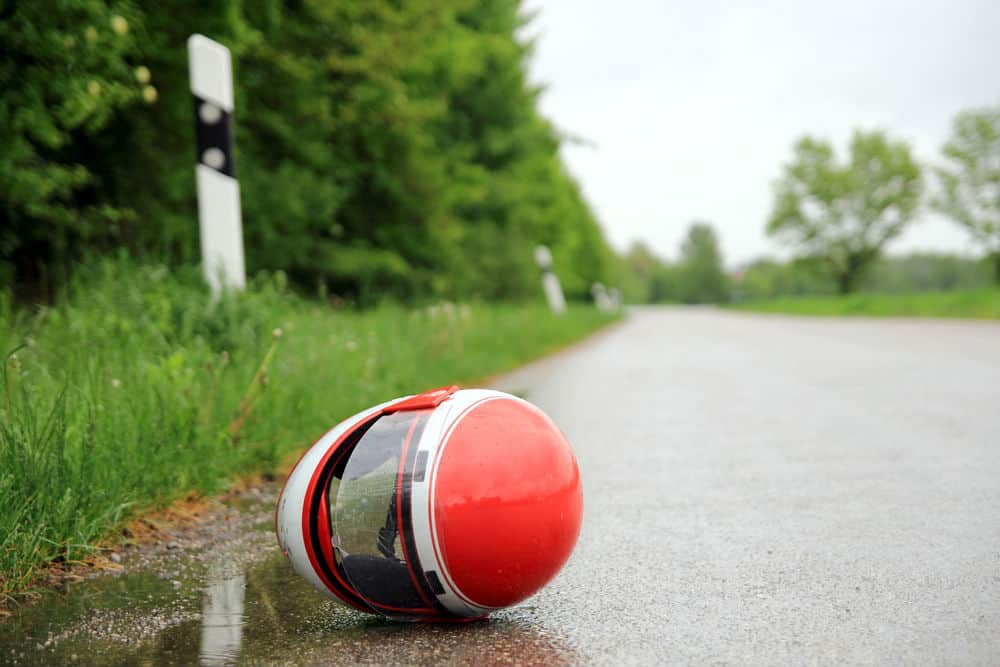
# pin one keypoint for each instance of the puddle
(236, 601)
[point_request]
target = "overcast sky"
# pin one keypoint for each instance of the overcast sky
(691, 108)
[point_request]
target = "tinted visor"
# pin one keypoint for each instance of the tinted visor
(370, 527)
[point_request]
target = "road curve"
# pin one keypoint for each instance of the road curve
(774, 489)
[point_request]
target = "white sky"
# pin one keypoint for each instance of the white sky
(691, 108)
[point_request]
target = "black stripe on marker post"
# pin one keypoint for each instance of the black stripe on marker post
(214, 133)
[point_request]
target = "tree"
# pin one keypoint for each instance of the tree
(970, 182)
(383, 148)
(64, 74)
(647, 277)
(643, 266)
(917, 272)
(700, 277)
(768, 278)
(844, 214)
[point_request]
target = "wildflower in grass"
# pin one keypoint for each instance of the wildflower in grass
(142, 74)
(116, 383)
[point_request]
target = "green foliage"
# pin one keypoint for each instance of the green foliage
(767, 278)
(983, 303)
(699, 276)
(383, 148)
(916, 272)
(645, 270)
(135, 388)
(920, 272)
(844, 214)
(970, 181)
(65, 71)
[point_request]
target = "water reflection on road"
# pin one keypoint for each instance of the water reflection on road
(245, 606)
(222, 616)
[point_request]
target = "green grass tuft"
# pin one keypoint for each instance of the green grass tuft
(978, 304)
(135, 389)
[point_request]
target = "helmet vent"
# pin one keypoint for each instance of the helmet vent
(435, 583)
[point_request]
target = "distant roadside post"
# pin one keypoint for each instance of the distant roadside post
(550, 282)
(607, 300)
(615, 298)
(211, 71)
(601, 298)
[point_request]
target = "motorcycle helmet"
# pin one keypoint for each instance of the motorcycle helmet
(446, 504)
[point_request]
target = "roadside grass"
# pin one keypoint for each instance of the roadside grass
(977, 304)
(135, 390)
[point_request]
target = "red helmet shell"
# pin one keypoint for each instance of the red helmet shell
(507, 501)
(448, 503)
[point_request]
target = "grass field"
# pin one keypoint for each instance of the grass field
(978, 304)
(134, 390)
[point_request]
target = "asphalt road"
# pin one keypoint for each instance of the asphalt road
(781, 490)
(758, 489)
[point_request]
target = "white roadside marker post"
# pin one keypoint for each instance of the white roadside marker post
(550, 282)
(601, 297)
(615, 296)
(220, 219)
(222, 614)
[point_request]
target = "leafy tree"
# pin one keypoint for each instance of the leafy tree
(651, 278)
(643, 265)
(383, 148)
(64, 72)
(508, 188)
(766, 278)
(917, 272)
(845, 213)
(345, 181)
(970, 181)
(699, 276)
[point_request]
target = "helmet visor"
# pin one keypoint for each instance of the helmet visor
(370, 526)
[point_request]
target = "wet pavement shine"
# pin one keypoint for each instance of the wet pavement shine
(758, 489)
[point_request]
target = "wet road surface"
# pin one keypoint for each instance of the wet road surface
(757, 489)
